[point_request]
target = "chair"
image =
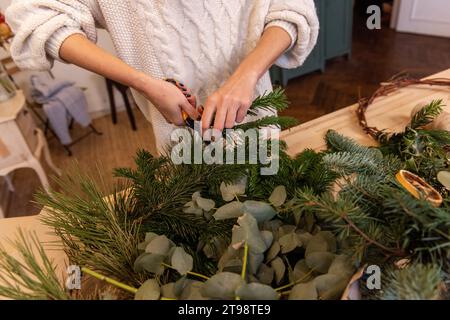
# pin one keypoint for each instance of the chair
(22, 144)
(11, 68)
(124, 91)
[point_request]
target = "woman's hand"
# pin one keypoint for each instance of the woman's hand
(168, 98)
(230, 103)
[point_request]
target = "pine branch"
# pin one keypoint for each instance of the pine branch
(97, 232)
(32, 276)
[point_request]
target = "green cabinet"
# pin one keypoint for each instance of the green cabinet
(335, 39)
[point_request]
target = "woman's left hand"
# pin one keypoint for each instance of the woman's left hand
(230, 103)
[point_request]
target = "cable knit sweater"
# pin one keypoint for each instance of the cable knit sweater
(199, 42)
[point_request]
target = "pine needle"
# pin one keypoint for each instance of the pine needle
(33, 275)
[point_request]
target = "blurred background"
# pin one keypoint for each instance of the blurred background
(349, 61)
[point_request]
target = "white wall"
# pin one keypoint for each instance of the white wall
(430, 17)
(96, 90)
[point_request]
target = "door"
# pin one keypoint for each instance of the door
(431, 17)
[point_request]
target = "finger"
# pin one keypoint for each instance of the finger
(241, 114)
(221, 116)
(192, 100)
(173, 118)
(231, 117)
(190, 110)
(208, 114)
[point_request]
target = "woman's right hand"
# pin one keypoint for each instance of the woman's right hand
(168, 98)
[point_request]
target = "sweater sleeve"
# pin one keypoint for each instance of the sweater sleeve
(41, 26)
(302, 15)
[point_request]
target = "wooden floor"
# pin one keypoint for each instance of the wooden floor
(376, 56)
(115, 148)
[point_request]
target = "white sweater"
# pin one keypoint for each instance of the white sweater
(197, 42)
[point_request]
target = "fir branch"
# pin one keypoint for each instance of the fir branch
(272, 101)
(344, 215)
(427, 114)
(32, 276)
(280, 122)
(415, 282)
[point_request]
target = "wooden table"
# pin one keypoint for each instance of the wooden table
(391, 112)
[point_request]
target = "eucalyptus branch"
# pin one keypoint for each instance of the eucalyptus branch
(189, 272)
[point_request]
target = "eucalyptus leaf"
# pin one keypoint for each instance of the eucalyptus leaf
(304, 291)
(330, 239)
(286, 229)
(230, 191)
(229, 211)
(194, 209)
(150, 262)
(273, 226)
(254, 261)
(330, 286)
(273, 251)
(205, 204)
(257, 291)
(195, 196)
(319, 261)
(192, 291)
(209, 251)
(278, 266)
(342, 265)
(267, 237)
(222, 286)
(278, 196)
(301, 272)
(316, 244)
(444, 178)
(149, 290)
(233, 265)
(265, 274)
(159, 245)
(180, 284)
(289, 242)
(248, 231)
(304, 237)
(262, 211)
(149, 236)
(168, 290)
(181, 261)
(230, 254)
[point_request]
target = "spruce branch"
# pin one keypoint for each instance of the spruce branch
(272, 101)
(427, 114)
(415, 282)
(268, 121)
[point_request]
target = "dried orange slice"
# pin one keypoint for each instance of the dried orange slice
(418, 187)
(444, 178)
